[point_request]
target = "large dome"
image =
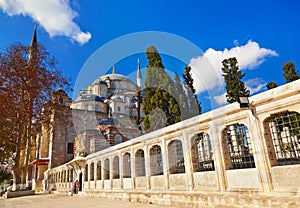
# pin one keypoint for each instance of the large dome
(112, 77)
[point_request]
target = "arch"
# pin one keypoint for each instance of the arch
(175, 157)
(116, 167)
(202, 154)
(106, 172)
(126, 165)
(156, 163)
(86, 172)
(140, 163)
(98, 170)
(92, 169)
(282, 135)
(237, 147)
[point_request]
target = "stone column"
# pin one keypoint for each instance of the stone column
(262, 163)
(132, 168)
(218, 155)
(186, 148)
(164, 153)
(121, 171)
(147, 166)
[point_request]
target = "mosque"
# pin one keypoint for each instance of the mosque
(105, 113)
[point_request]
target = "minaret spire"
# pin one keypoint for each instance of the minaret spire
(139, 75)
(113, 69)
(34, 38)
(33, 45)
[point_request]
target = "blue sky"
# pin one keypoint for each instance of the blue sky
(263, 35)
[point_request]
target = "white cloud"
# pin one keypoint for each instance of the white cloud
(207, 69)
(221, 99)
(255, 85)
(55, 16)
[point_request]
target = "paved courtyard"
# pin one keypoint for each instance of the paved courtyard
(63, 201)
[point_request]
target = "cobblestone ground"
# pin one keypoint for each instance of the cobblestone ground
(63, 201)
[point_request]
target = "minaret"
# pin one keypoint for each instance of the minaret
(33, 45)
(139, 76)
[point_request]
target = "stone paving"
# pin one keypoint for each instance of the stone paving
(64, 201)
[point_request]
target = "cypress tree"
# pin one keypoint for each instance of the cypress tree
(193, 104)
(235, 87)
(159, 106)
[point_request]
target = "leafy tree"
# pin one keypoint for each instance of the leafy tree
(272, 85)
(28, 77)
(193, 103)
(235, 87)
(159, 104)
(289, 72)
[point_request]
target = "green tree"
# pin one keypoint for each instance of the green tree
(235, 87)
(289, 72)
(28, 77)
(193, 104)
(159, 104)
(272, 85)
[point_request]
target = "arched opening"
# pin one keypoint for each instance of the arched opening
(237, 147)
(175, 157)
(156, 163)
(116, 165)
(139, 163)
(106, 169)
(202, 154)
(282, 134)
(126, 165)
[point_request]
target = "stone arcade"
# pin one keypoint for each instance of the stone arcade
(226, 157)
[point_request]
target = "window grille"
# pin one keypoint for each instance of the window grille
(139, 163)
(240, 150)
(86, 172)
(156, 163)
(202, 154)
(285, 132)
(116, 171)
(126, 166)
(92, 169)
(106, 173)
(175, 156)
(99, 170)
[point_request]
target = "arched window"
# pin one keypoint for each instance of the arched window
(283, 129)
(237, 147)
(99, 170)
(126, 165)
(116, 169)
(202, 154)
(139, 163)
(175, 157)
(106, 169)
(92, 169)
(156, 163)
(86, 172)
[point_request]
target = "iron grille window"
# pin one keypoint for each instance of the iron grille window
(116, 168)
(126, 166)
(139, 163)
(86, 172)
(240, 150)
(175, 156)
(99, 170)
(202, 155)
(156, 163)
(92, 171)
(285, 132)
(106, 169)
